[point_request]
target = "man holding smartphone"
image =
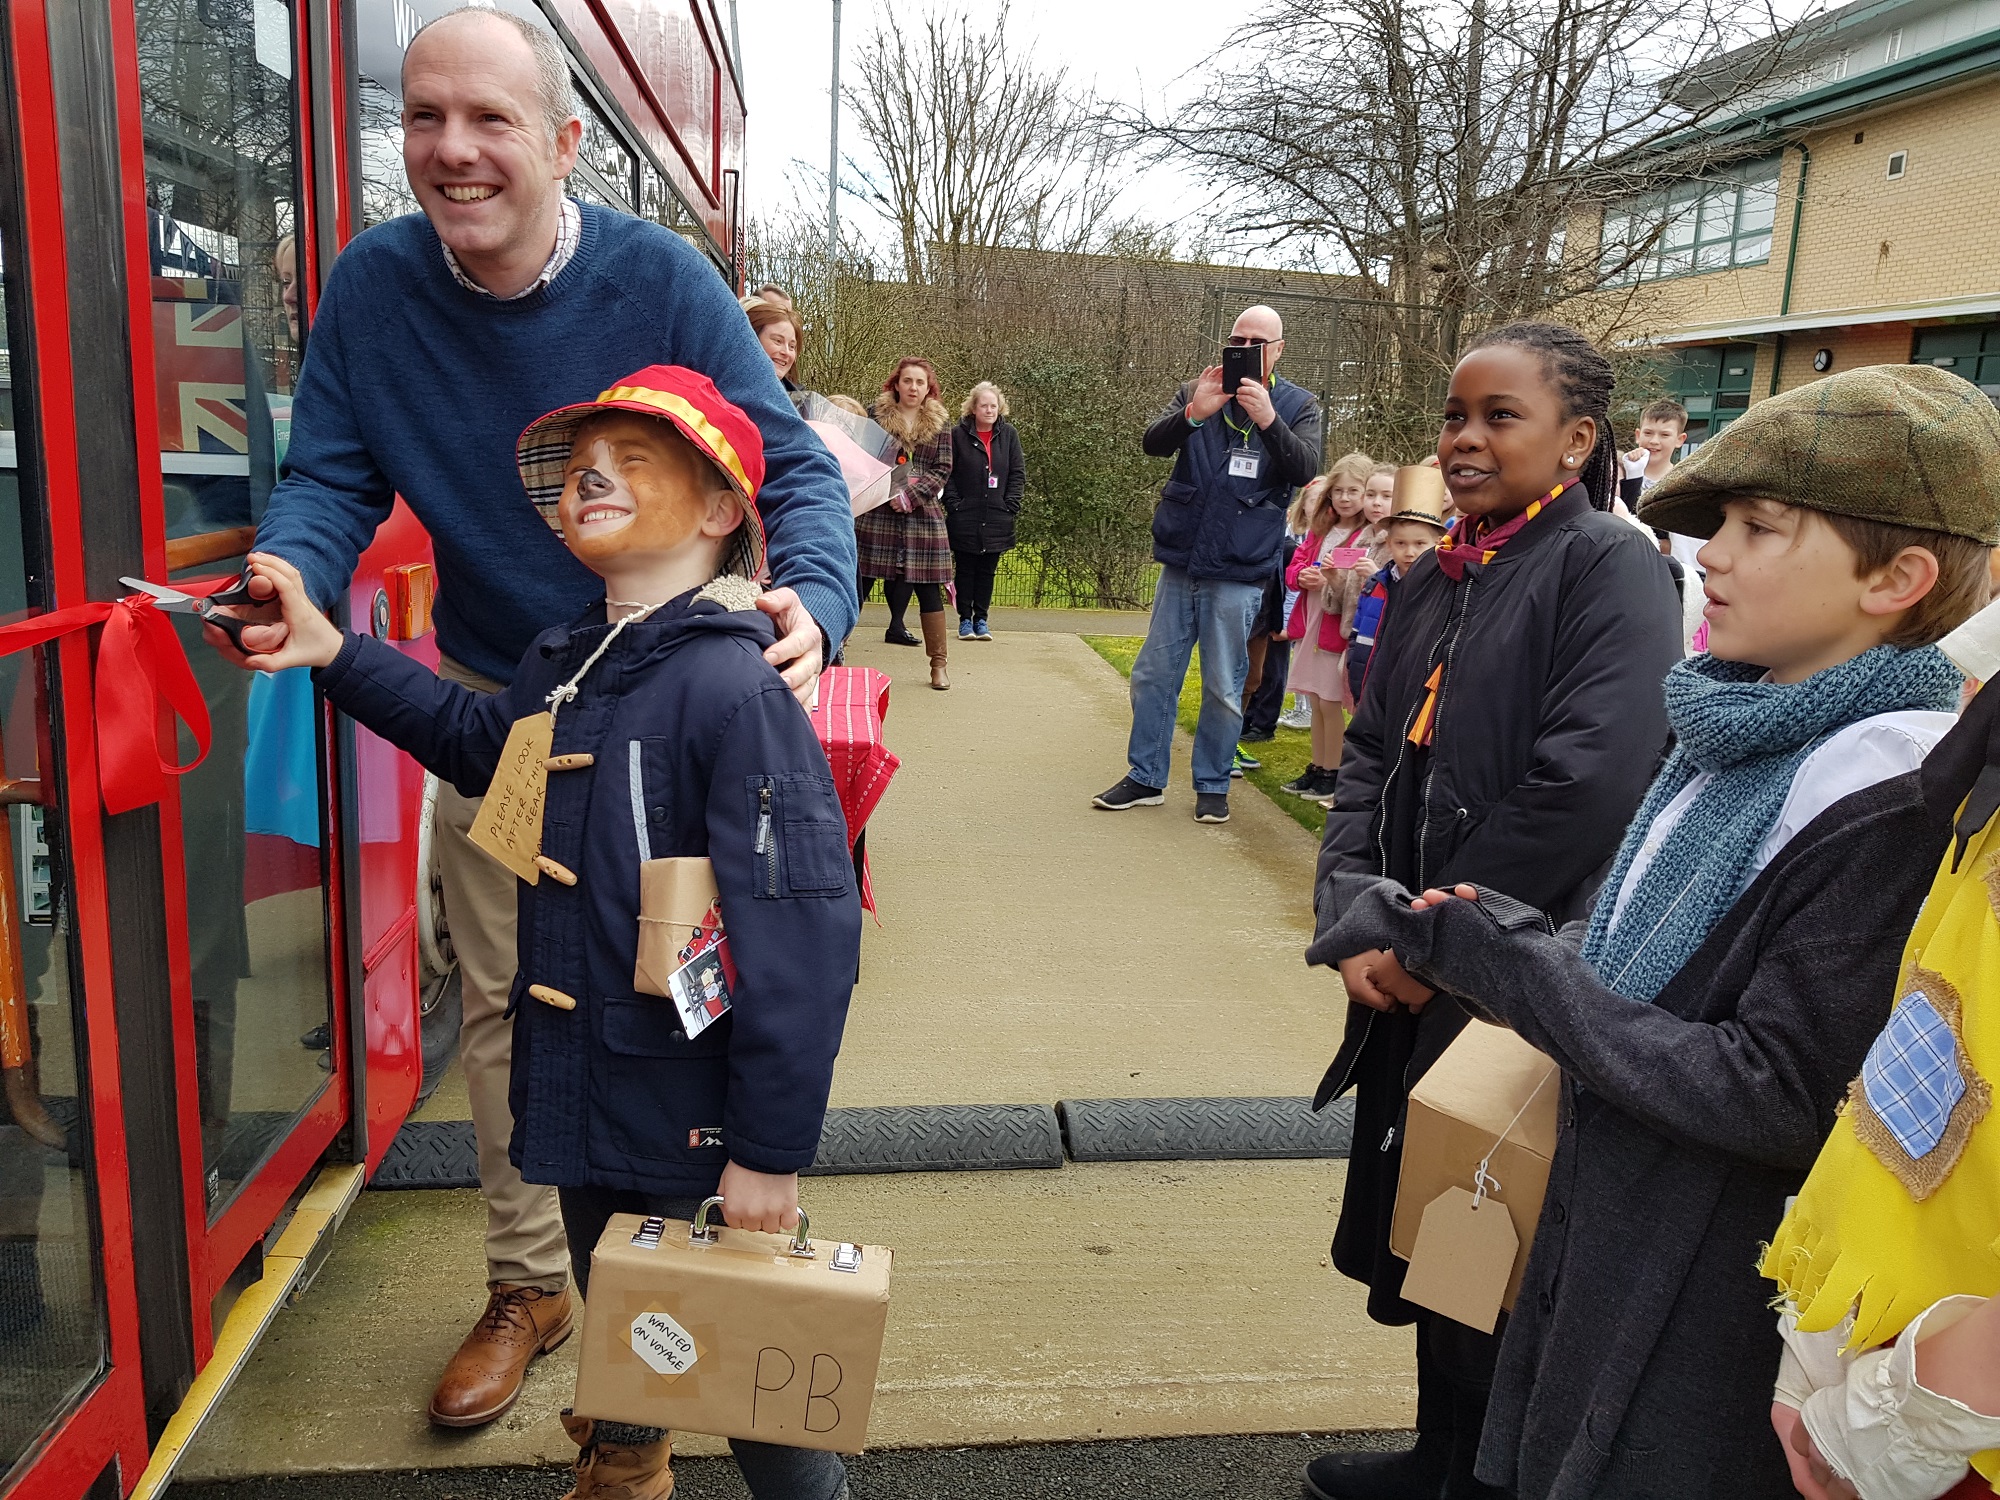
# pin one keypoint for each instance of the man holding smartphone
(1242, 440)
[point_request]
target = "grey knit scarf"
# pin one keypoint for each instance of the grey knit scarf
(1752, 737)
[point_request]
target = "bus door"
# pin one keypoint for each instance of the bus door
(225, 242)
(72, 1404)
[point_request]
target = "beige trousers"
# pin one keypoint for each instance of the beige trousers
(524, 1233)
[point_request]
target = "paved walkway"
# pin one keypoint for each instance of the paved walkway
(1030, 949)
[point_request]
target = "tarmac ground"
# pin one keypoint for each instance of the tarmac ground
(1042, 1324)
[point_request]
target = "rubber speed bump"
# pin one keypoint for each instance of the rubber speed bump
(1204, 1129)
(893, 1138)
(939, 1138)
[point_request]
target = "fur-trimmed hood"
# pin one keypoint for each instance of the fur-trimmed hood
(911, 428)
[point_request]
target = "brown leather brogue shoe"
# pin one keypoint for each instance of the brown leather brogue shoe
(618, 1471)
(485, 1375)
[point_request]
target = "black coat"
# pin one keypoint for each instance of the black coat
(1215, 524)
(1551, 725)
(979, 515)
(1641, 1353)
(697, 742)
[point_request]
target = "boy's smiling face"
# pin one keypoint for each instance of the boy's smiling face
(635, 487)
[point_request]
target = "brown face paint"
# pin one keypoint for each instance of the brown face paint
(651, 486)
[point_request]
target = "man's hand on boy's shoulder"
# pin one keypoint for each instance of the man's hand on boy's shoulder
(799, 651)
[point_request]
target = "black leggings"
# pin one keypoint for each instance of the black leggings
(974, 576)
(930, 597)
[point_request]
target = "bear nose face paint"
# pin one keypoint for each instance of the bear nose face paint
(633, 484)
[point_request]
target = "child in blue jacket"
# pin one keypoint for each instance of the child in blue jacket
(672, 738)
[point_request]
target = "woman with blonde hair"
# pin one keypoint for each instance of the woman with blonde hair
(981, 500)
(904, 543)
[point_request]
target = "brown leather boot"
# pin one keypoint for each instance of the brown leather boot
(618, 1471)
(485, 1375)
(934, 646)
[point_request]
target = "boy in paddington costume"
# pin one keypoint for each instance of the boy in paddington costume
(670, 738)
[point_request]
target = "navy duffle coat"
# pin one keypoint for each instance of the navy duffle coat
(698, 749)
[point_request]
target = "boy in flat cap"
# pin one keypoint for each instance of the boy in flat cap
(1742, 956)
(666, 737)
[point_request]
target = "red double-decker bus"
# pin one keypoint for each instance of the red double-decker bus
(217, 1008)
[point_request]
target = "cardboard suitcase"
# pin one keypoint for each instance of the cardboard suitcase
(733, 1333)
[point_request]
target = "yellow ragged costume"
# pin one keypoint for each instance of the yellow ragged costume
(1903, 1206)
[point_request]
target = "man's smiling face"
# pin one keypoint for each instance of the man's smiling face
(633, 485)
(477, 145)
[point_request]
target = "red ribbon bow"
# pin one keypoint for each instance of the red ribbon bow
(140, 665)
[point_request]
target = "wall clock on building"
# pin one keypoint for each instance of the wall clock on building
(1822, 360)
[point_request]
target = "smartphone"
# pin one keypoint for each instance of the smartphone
(1240, 364)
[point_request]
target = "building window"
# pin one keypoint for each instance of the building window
(1899, 163)
(1713, 382)
(1970, 351)
(1707, 224)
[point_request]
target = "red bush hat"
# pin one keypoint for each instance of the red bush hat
(699, 412)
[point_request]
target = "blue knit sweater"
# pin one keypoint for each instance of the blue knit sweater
(414, 385)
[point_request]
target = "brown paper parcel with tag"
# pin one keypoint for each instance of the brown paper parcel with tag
(784, 1350)
(1457, 1112)
(674, 895)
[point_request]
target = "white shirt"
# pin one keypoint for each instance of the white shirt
(569, 234)
(1857, 757)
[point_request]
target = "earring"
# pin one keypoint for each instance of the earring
(1570, 462)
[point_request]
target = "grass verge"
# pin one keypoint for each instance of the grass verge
(1283, 758)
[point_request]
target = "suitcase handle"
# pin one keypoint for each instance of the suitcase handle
(705, 1233)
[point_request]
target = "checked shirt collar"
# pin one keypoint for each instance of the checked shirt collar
(568, 234)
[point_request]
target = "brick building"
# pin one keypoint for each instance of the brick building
(1868, 232)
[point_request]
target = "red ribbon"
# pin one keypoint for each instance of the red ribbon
(140, 666)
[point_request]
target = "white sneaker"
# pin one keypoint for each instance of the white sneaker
(1298, 716)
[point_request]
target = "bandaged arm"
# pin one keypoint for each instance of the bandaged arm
(1896, 1428)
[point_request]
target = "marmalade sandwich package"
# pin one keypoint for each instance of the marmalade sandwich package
(1490, 1098)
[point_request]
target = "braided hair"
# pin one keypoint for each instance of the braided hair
(1584, 378)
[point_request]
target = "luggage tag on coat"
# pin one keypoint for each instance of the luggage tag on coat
(700, 987)
(508, 825)
(1463, 1258)
(1244, 463)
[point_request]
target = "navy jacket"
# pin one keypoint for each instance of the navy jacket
(1212, 524)
(700, 748)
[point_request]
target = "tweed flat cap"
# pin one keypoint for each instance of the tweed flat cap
(1908, 445)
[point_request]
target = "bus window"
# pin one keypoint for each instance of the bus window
(222, 190)
(52, 1338)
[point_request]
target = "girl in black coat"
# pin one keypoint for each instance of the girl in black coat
(1497, 735)
(981, 500)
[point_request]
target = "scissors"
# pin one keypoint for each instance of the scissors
(202, 608)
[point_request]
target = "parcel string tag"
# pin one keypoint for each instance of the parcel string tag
(508, 825)
(1463, 1258)
(663, 1344)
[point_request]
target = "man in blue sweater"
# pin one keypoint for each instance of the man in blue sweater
(439, 337)
(1218, 531)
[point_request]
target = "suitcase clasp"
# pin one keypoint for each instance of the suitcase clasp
(704, 1233)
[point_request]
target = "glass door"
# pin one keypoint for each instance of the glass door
(54, 1330)
(221, 120)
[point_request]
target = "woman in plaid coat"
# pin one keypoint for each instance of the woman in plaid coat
(904, 543)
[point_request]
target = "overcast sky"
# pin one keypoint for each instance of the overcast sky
(1132, 50)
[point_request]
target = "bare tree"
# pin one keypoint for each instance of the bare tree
(1448, 149)
(977, 147)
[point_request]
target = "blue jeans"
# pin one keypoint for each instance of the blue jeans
(770, 1471)
(1187, 612)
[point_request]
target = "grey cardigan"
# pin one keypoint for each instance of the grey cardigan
(1639, 1360)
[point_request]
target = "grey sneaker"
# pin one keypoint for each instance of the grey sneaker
(1298, 716)
(1211, 807)
(1128, 794)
